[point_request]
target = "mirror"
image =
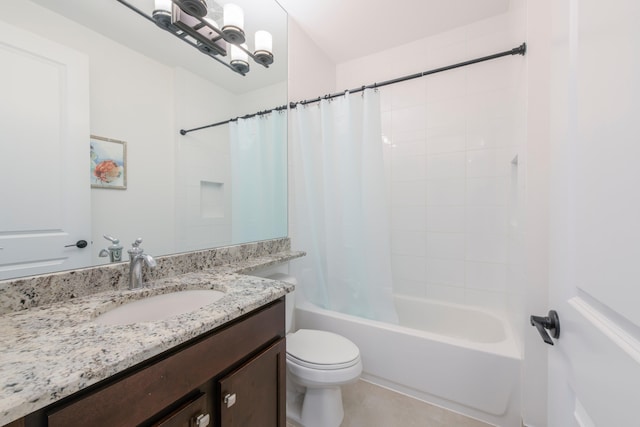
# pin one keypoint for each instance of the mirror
(215, 187)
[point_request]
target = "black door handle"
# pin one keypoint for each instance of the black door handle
(551, 322)
(79, 244)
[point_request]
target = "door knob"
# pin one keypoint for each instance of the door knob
(551, 322)
(79, 244)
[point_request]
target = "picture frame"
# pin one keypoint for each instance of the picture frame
(108, 163)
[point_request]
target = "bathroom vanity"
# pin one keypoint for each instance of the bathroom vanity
(221, 365)
(234, 376)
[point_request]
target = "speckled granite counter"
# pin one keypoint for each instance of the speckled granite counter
(52, 351)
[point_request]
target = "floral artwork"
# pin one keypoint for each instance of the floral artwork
(108, 163)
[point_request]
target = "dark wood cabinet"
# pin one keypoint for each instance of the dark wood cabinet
(254, 394)
(245, 358)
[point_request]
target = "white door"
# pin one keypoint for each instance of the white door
(44, 155)
(594, 366)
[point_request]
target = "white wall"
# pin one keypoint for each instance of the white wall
(450, 139)
(311, 74)
(203, 165)
(539, 32)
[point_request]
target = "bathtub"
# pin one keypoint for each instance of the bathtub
(458, 357)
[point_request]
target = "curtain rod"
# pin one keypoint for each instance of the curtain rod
(520, 50)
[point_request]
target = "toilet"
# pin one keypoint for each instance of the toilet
(318, 364)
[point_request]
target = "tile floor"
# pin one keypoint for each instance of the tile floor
(368, 405)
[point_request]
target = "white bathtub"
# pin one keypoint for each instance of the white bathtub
(462, 358)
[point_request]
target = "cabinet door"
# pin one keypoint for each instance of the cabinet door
(254, 395)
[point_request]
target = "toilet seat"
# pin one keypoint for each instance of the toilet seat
(321, 350)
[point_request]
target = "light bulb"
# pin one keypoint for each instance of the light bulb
(264, 41)
(162, 13)
(233, 24)
(239, 59)
(264, 47)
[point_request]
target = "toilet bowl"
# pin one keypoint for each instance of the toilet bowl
(318, 363)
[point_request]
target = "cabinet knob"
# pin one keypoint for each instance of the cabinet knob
(230, 400)
(202, 420)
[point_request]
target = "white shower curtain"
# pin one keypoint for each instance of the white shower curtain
(259, 177)
(341, 213)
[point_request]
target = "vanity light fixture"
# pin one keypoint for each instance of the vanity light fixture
(193, 22)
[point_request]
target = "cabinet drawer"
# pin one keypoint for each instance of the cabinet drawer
(137, 397)
(186, 415)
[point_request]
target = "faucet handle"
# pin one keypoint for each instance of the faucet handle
(111, 239)
(136, 244)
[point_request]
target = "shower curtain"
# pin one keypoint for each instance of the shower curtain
(341, 212)
(259, 177)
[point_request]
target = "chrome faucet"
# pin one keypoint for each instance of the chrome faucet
(136, 258)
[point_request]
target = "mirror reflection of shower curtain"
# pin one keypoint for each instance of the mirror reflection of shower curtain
(259, 177)
(341, 212)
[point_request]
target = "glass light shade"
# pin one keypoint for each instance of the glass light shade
(239, 59)
(162, 13)
(264, 41)
(163, 5)
(233, 16)
(238, 54)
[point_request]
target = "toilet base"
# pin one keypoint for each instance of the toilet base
(316, 407)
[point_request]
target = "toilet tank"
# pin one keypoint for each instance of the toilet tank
(289, 299)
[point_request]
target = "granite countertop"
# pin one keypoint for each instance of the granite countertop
(52, 351)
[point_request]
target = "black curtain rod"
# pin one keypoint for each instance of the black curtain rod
(520, 50)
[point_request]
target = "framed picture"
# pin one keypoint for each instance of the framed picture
(108, 163)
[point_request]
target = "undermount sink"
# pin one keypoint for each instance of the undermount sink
(159, 307)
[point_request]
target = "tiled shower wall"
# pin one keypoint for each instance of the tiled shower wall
(454, 167)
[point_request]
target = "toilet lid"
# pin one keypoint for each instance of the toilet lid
(322, 349)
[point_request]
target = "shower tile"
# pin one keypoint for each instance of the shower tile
(486, 219)
(411, 148)
(445, 245)
(447, 112)
(446, 219)
(386, 97)
(492, 133)
(490, 105)
(446, 272)
(407, 218)
(409, 93)
(492, 75)
(385, 123)
(487, 191)
(446, 85)
(408, 267)
(402, 136)
(486, 276)
(408, 168)
(445, 192)
(491, 162)
(485, 248)
(408, 243)
(443, 166)
(408, 193)
(446, 139)
(407, 119)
